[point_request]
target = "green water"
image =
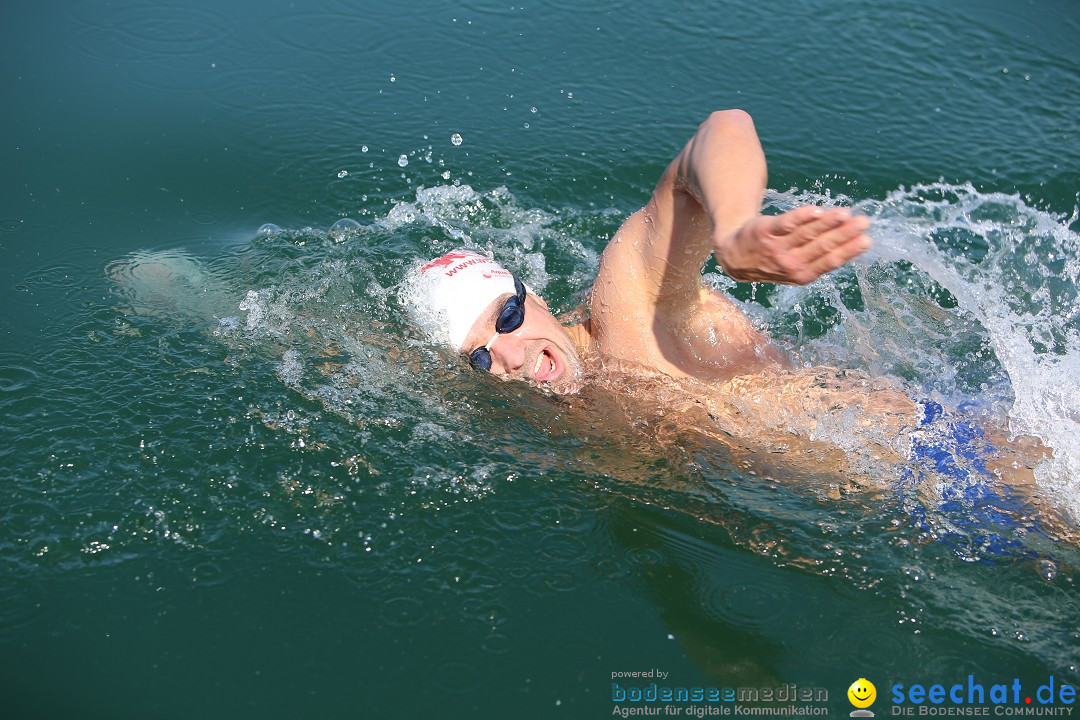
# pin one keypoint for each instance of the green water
(236, 481)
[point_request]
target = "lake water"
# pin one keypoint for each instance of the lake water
(237, 481)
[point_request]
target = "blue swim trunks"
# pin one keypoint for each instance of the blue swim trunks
(976, 515)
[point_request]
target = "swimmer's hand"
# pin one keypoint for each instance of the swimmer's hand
(794, 248)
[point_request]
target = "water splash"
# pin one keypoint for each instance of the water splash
(967, 296)
(1016, 269)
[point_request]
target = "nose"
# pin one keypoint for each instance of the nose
(508, 353)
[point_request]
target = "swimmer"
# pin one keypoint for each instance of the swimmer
(649, 312)
(650, 318)
(650, 315)
(648, 305)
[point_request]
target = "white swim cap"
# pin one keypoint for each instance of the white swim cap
(458, 287)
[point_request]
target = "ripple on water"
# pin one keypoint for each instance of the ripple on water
(497, 644)
(404, 611)
(480, 546)
(208, 574)
(578, 514)
(325, 33)
(546, 584)
(745, 604)
(561, 547)
(204, 217)
(43, 286)
(27, 518)
(285, 120)
(485, 612)
(644, 557)
(142, 30)
(158, 48)
(467, 575)
(610, 569)
(140, 37)
(15, 376)
(513, 520)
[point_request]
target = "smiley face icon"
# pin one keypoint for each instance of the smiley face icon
(862, 693)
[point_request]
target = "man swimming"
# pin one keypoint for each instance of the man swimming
(678, 356)
(651, 317)
(648, 306)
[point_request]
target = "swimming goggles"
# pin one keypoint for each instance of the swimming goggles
(510, 319)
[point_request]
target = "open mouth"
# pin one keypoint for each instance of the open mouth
(545, 367)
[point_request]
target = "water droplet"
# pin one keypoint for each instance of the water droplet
(343, 228)
(393, 79)
(455, 139)
(446, 175)
(363, 148)
(526, 126)
(267, 230)
(532, 109)
(343, 173)
(402, 161)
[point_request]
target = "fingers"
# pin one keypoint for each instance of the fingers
(801, 245)
(822, 236)
(792, 220)
(806, 224)
(839, 255)
(825, 243)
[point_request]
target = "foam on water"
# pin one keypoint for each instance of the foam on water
(967, 296)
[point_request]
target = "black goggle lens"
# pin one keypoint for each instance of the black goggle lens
(481, 358)
(510, 319)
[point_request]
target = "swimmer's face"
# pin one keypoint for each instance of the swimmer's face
(540, 351)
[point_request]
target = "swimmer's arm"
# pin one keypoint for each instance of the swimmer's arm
(709, 200)
(715, 184)
(721, 175)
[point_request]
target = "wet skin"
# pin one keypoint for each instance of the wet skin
(541, 351)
